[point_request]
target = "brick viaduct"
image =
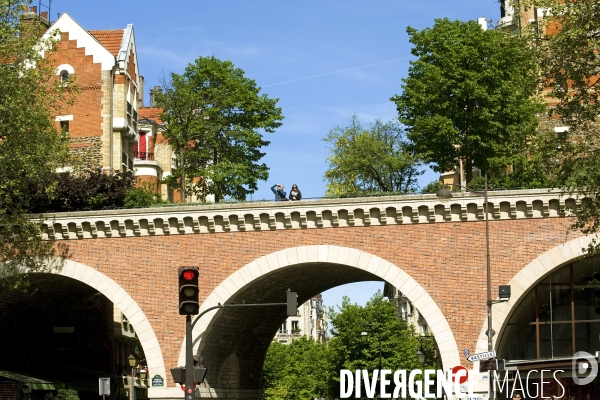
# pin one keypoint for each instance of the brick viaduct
(433, 251)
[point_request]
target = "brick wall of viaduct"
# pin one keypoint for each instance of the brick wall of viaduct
(255, 252)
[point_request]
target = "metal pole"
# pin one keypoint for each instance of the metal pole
(379, 335)
(488, 266)
(189, 360)
(489, 282)
(132, 397)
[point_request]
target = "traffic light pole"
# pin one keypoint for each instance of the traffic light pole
(190, 391)
(234, 305)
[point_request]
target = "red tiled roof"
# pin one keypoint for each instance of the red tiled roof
(111, 39)
(150, 113)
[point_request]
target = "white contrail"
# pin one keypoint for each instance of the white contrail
(336, 72)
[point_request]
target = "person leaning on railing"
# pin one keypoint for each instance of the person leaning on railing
(295, 193)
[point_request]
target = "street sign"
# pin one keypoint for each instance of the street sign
(482, 356)
(158, 381)
(104, 386)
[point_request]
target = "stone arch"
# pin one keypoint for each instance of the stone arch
(229, 376)
(339, 256)
(529, 277)
(120, 298)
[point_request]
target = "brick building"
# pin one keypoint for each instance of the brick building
(102, 124)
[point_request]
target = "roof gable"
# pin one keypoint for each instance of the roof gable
(110, 39)
(84, 40)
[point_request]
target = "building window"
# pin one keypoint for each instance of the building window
(283, 328)
(295, 328)
(64, 127)
(64, 76)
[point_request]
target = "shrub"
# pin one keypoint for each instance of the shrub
(85, 190)
(140, 197)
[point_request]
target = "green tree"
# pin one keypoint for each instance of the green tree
(367, 159)
(470, 95)
(570, 57)
(297, 371)
(30, 147)
(399, 345)
(214, 118)
(569, 47)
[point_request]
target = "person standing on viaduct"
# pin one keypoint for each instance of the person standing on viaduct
(295, 193)
(280, 194)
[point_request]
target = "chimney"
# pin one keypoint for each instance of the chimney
(141, 84)
(483, 22)
(30, 16)
(154, 90)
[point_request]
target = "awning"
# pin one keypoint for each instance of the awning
(36, 383)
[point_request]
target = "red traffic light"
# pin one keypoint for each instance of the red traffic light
(188, 291)
(188, 275)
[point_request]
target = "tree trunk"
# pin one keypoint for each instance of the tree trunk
(182, 199)
(217, 197)
(468, 171)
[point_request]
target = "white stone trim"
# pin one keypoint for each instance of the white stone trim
(311, 214)
(338, 255)
(64, 67)
(526, 279)
(84, 39)
(145, 171)
(117, 295)
(59, 118)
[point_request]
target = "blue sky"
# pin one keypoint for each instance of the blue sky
(324, 59)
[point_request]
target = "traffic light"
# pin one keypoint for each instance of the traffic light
(188, 291)
(200, 373)
(179, 374)
(292, 303)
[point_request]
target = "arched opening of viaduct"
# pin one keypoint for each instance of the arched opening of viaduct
(233, 342)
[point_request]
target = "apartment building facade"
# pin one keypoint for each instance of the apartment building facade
(311, 321)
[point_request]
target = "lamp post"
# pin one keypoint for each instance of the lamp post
(422, 356)
(364, 337)
(447, 194)
(133, 362)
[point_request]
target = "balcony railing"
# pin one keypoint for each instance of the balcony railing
(143, 155)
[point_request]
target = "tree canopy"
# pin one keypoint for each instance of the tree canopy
(372, 158)
(399, 344)
(568, 42)
(296, 371)
(469, 95)
(305, 368)
(31, 149)
(214, 119)
(570, 57)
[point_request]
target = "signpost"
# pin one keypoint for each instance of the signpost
(104, 387)
(482, 356)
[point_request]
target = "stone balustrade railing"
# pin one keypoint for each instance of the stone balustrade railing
(319, 214)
